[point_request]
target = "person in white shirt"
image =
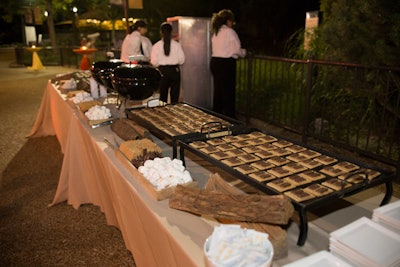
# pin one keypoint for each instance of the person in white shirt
(146, 47)
(167, 55)
(226, 48)
(136, 43)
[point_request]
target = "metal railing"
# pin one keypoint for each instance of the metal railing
(348, 105)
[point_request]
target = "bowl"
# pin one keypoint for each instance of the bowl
(136, 82)
(211, 263)
(138, 58)
(101, 71)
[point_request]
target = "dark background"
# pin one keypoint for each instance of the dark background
(264, 26)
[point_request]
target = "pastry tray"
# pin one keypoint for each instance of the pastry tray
(183, 121)
(347, 184)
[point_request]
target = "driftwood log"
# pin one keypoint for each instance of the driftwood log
(127, 129)
(238, 207)
(277, 235)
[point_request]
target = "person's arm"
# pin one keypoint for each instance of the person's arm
(235, 45)
(146, 46)
(135, 46)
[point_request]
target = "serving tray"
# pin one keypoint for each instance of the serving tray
(157, 195)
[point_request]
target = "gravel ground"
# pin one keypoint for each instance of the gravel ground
(31, 233)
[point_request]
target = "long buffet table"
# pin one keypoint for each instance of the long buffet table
(91, 173)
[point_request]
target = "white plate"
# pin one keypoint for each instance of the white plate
(388, 223)
(389, 212)
(318, 259)
(369, 240)
(351, 256)
(388, 208)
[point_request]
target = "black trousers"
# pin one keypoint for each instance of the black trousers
(171, 80)
(224, 75)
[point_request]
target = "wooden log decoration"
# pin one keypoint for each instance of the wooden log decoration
(127, 129)
(246, 208)
(277, 235)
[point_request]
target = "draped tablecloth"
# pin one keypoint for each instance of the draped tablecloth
(53, 117)
(91, 173)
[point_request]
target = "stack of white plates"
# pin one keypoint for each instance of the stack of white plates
(366, 243)
(318, 259)
(388, 215)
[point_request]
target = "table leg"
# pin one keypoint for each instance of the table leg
(182, 155)
(388, 193)
(174, 149)
(303, 225)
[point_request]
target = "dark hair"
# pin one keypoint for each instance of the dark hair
(220, 18)
(166, 32)
(138, 24)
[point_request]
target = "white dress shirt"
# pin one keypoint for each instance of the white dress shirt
(131, 46)
(176, 55)
(146, 46)
(226, 44)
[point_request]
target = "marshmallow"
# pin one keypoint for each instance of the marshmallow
(164, 172)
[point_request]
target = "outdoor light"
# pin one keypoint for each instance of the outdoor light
(46, 14)
(75, 9)
(311, 14)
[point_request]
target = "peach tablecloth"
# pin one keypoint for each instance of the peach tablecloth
(91, 173)
(53, 117)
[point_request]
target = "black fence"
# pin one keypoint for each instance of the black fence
(348, 105)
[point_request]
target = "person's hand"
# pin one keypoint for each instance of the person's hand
(243, 52)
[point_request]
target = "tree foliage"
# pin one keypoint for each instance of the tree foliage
(363, 100)
(360, 31)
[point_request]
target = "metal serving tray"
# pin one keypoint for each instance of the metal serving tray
(346, 187)
(182, 121)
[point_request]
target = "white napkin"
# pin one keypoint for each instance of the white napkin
(69, 84)
(94, 88)
(103, 91)
(231, 245)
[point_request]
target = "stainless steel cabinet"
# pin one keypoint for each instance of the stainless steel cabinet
(195, 37)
